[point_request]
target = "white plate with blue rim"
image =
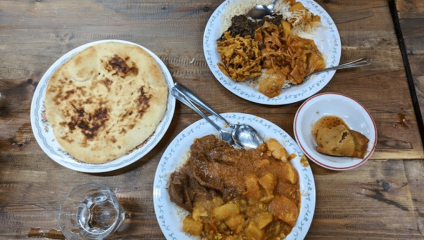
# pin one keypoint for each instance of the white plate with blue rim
(353, 114)
(170, 216)
(44, 133)
(326, 38)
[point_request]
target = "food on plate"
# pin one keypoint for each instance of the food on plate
(240, 58)
(243, 26)
(284, 58)
(334, 137)
(233, 193)
(105, 101)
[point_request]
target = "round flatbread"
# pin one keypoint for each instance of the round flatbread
(105, 101)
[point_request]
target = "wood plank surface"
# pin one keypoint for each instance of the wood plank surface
(411, 21)
(380, 200)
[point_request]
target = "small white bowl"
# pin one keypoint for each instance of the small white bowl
(333, 104)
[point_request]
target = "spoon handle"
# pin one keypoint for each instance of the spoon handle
(272, 5)
(194, 98)
(225, 135)
(177, 94)
(363, 61)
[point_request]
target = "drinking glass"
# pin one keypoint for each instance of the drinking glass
(90, 211)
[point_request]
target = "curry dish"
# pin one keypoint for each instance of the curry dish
(235, 193)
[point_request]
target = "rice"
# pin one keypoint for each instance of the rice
(235, 8)
(264, 75)
(254, 82)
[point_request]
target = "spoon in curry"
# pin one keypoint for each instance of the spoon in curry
(243, 135)
(260, 11)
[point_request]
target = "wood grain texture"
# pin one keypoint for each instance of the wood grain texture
(373, 191)
(382, 199)
(411, 20)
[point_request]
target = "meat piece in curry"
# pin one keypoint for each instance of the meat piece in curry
(236, 193)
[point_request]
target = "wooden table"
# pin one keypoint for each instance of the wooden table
(409, 22)
(382, 199)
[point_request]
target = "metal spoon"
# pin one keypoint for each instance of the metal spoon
(260, 11)
(243, 135)
(246, 136)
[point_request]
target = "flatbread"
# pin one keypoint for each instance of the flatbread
(105, 101)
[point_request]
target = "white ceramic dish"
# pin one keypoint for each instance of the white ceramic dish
(333, 104)
(169, 214)
(327, 40)
(44, 133)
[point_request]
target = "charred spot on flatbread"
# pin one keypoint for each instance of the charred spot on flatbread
(89, 124)
(109, 95)
(143, 101)
(120, 67)
(107, 82)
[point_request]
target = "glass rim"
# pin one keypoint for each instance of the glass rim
(94, 184)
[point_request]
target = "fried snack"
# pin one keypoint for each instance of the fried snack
(240, 57)
(333, 137)
(286, 57)
(340, 141)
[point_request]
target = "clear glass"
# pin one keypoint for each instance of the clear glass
(90, 211)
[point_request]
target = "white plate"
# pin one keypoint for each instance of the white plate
(327, 41)
(333, 104)
(44, 133)
(168, 214)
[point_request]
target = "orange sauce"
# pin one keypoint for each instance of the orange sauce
(304, 161)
